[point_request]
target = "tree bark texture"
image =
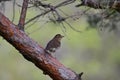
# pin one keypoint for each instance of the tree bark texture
(33, 52)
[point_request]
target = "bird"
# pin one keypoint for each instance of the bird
(54, 44)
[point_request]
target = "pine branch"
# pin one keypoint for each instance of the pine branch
(33, 52)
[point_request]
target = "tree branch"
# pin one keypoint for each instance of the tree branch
(66, 2)
(114, 4)
(90, 3)
(33, 52)
(23, 15)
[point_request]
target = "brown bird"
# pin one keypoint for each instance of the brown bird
(54, 44)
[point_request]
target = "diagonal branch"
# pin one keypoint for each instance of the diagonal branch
(33, 52)
(23, 15)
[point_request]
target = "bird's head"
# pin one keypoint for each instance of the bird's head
(58, 36)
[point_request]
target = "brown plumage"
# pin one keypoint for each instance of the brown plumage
(54, 44)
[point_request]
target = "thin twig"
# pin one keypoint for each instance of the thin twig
(57, 6)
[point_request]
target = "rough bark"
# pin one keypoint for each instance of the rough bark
(33, 52)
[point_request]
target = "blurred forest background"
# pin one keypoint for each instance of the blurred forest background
(95, 50)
